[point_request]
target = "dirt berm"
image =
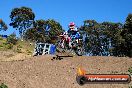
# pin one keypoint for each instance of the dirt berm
(42, 72)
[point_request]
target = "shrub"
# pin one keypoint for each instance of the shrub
(19, 49)
(12, 39)
(5, 44)
(130, 70)
(3, 86)
(28, 51)
(1, 46)
(130, 86)
(1, 38)
(9, 46)
(19, 46)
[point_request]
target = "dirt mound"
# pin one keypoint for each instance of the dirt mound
(42, 72)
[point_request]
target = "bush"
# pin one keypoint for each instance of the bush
(28, 51)
(3, 86)
(9, 46)
(19, 49)
(12, 39)
(5, 44)
(19, 46)
(1, 46)
(1, 38)
(130, 70)
(130, 86)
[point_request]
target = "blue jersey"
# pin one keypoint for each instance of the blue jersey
(77, 35)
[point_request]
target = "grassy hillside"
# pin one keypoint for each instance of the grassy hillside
(22, 48)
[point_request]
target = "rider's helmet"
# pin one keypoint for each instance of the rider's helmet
(72, 26)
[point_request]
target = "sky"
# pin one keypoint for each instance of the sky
(66, 11)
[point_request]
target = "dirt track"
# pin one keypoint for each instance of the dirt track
(42, 72)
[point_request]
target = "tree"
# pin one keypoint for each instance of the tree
(128, 23)
(21, 19)
(3, 26)
(54, 29)
(44, 31)
(103, 38)
(12, 39)
(113, 40)
(127, 35)
(37, 33)
(93, 40)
